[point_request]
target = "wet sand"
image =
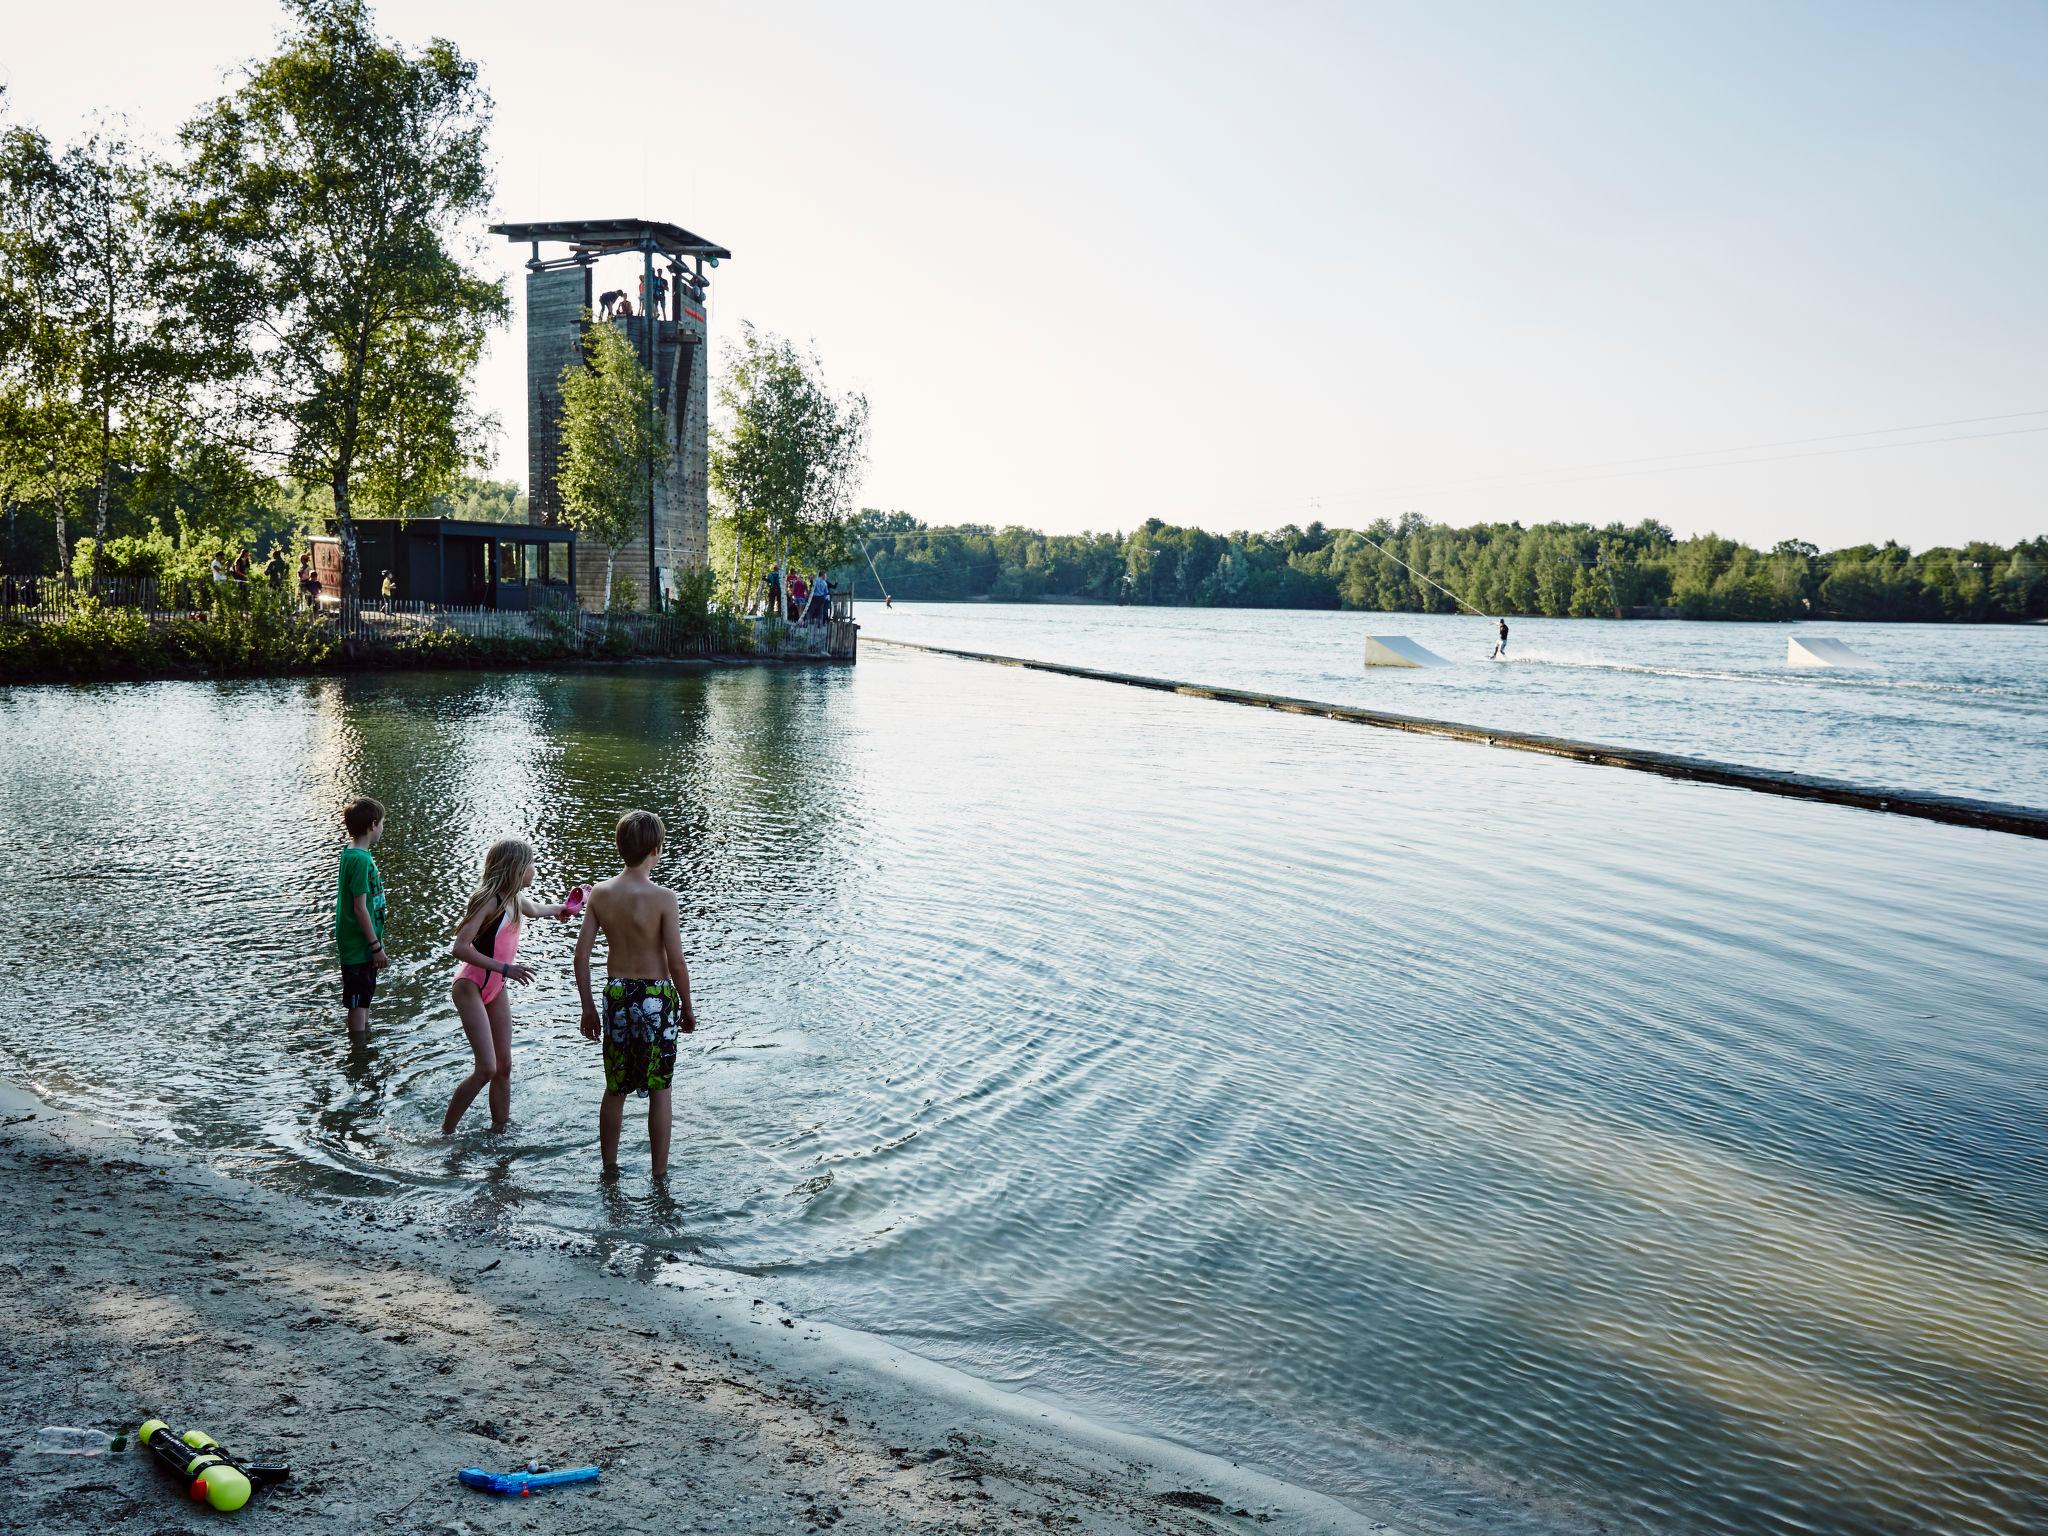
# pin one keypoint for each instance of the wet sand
(377, 1362)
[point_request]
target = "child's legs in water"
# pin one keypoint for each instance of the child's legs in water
(657, 1129)
(611, 1118)
(477, 1025)
(500, 1010)
(611, 1113)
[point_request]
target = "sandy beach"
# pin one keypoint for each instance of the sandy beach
(376, 1362)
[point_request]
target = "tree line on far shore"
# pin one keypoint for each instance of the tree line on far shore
(1558, 570)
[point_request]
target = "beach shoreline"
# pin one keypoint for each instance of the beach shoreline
(378, 1359)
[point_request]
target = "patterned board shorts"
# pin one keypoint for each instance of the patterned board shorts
(641, 1024)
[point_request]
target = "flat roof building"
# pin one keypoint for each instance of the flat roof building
(454, 563)
(664, 318)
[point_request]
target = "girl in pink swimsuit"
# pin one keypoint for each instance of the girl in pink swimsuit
(486, 942)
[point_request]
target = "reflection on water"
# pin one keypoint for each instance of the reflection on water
(1476, 1132)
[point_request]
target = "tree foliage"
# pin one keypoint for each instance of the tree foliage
(1560, 570)
(786, 460)
(45, 430)
(613, 436)
(325, 244)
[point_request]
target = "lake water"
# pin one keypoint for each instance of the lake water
(1955, 708)
(1501, 1137)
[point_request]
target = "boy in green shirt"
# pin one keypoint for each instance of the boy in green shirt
(359, 913)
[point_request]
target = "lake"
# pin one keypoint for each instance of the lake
(1953, 708)
(1500, 1138)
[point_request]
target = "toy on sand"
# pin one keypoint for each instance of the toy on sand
(519, 1485)
(211, 1472)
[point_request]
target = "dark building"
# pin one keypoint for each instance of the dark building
(456, 563)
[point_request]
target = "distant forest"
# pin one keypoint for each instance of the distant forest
(1558, 570)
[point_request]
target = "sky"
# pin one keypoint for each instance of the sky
(1241, 266)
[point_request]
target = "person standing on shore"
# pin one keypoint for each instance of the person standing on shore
(646, 991)
(359, 913)
(487, 942)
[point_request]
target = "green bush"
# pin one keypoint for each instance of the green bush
(249, 632)
(156, 555)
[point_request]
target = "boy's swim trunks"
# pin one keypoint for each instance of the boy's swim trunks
(640, 1029)
(358, 984)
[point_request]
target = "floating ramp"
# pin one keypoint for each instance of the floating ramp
(1399, 651)
(1824, 653)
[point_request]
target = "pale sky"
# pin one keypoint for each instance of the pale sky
(1240, 265)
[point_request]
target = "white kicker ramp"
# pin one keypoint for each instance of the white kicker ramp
(1399, 651)
(1823, 653)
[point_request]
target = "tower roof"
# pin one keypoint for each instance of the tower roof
(604, 236)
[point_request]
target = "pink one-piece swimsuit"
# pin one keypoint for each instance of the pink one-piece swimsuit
(500, 940)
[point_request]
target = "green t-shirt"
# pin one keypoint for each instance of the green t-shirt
(359, 877)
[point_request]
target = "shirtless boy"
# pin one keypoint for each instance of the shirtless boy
(646, 990)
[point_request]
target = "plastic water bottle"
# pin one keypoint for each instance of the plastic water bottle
(58, 1440)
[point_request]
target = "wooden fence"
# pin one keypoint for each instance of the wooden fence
(50, 599)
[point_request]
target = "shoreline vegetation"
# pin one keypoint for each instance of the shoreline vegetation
(283, 1324)
(1551, 570)
(141, 630)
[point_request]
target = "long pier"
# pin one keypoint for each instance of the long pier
(1956, 810)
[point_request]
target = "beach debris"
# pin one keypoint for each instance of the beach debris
(1188, 1498)
(63, 1440)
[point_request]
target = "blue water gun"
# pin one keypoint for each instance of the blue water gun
(523, 1484)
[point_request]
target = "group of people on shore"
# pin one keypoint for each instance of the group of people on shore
(810, 600)
(238, 567)
(646, 1007)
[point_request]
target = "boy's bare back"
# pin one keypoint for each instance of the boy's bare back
(640, 927)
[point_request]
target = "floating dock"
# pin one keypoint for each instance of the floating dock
(1957, 810)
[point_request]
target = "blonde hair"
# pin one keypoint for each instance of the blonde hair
(508, 859)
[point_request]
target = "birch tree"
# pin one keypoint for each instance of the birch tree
(614, 436)
(333, 242)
